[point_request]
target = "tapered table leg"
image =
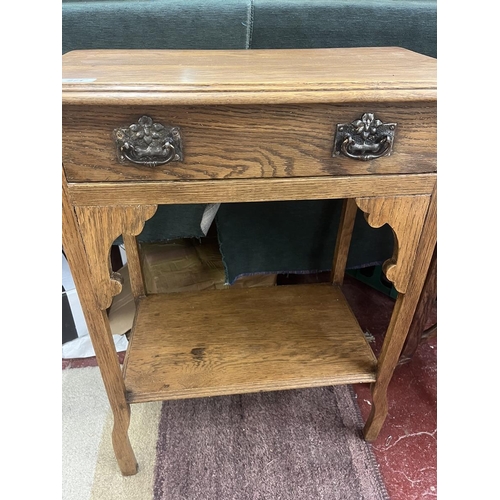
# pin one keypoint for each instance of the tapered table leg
(409, 277)
(418, 333)
(101, 337)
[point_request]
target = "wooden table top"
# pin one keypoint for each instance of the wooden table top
(246, 76)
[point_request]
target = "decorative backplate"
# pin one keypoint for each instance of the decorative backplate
(364, 139)
(148, 143)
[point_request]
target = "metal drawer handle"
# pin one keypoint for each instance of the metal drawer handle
(365, 139)
(148, 143)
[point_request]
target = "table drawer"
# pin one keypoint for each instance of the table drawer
(246, 141)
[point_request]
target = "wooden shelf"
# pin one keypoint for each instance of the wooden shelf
(236, 341)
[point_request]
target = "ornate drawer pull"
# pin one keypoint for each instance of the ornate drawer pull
(148, 143)
(365, 139)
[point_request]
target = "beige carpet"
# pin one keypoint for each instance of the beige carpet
(87, 423)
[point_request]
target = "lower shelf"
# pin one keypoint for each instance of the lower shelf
(235, 341)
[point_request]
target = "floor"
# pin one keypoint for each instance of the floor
(406, 449)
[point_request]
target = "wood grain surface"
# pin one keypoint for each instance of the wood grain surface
(248, 190)
(229, 142)
(99, 227)
(100, 334)
(418, 331)
(401, 319)
(128, 77)
(406, 216)
(136, 275)
(343, 242)
(244, 340)
(256, 125)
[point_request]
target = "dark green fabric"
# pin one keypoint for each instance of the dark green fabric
(411, 24)
(155, 24)
(293, 237)
(175, 221)
(171, 222)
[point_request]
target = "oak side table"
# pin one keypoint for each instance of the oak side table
(149, 127)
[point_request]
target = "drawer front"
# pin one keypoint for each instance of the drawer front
(245, 142)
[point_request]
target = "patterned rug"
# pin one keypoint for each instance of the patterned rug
(299, 444)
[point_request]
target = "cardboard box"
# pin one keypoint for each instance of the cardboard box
(190, 265)
(176, 266)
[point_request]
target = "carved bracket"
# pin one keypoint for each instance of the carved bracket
(99, 227)
(406, 216)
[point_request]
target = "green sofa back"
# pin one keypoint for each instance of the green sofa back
(249, 24)
(345, 23)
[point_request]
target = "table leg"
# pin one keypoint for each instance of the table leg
(346, 227)
(101, 337)
(415, 242)
(426, 303)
